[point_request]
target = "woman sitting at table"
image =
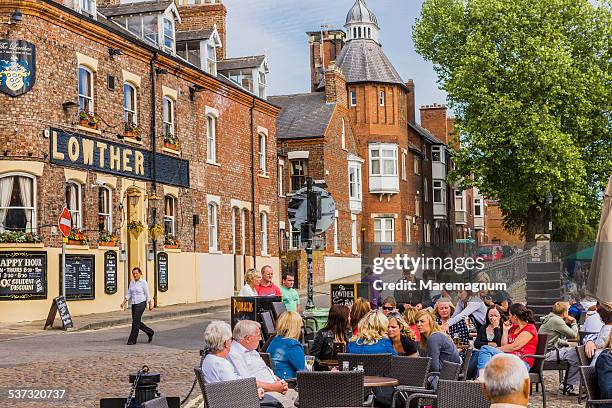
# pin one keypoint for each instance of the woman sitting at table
(443, 311)
(372, 335)
(519, 336)
(337, 330)
(409, 317)
(401, 336)
(435, 344)
(252, 279)
(360, 308)
(285, 349)
(490, 334)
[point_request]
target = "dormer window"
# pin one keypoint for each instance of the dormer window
(211, 59)
(168, 35)
(262, 84)
(189, 51)
(88, 7)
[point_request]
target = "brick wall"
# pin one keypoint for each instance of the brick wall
(200, 16)
(433, 118)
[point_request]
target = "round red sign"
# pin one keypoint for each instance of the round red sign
(63, 222)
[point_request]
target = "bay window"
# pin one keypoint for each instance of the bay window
(355, 182)
(439, 192)
(383, 160)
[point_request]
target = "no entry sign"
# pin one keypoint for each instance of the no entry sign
(63, 222)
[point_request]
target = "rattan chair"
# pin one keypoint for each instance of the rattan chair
(558, 365)
(536, 373)
(582, 335)
(330, 389)
(411, 373)
(466, 364)
(455, 394)
(159, 402)
(448, 371)
(267, 358)
(589, 378)
(268, 328)
(373, 364)
(584, 361)
(228, 394)
(278, 308)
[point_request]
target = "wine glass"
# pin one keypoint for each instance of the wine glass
(309, 362)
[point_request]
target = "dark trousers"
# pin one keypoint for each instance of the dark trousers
(270, 401)
(137, 311)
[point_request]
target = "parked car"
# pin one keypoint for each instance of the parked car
(508, 251)
(490, 252)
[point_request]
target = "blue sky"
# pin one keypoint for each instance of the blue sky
(278, 27)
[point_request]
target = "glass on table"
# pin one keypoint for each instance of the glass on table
(309, 362)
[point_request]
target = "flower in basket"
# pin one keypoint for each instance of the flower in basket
(106, 236)
(19, 237)
(135, 227)
(32, 237)
(77, 235)
(155, 231)
(91, 118)
(132, 128)
(172, 140)
(170, 240)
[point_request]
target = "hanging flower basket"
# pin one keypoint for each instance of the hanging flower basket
(155, 231)
(107, 239)
(135, 228)
(76, 237)
(132, 131)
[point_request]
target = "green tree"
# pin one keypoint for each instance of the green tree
(530, 84)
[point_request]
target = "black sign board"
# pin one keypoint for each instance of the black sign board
(23, 275)
(162, 271)
(59, 305)
(17, 66)
(250, 307)
(80, 276)
(86, 152)
(347, 293)
(110, 272)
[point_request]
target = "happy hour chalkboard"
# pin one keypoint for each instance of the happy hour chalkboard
(110, 272)
(80, 277)
(162, 271)
(23, 275)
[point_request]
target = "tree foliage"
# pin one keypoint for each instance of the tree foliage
(530, 84)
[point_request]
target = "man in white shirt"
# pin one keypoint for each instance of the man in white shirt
(506, 382)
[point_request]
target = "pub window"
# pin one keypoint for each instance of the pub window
(262, 153)
(74, 203)
(299, 170)
(129, 105)
(105, 217)
(86, 91)
(211, 139)
(17, 203)
(212, 227)
(169, 215)
(168, 117)
(263, 217)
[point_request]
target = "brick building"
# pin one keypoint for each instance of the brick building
(129, 123)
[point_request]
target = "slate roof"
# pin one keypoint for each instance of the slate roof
(135, 8)
(229, 64)
(194, 35)
(302, 115)
(363, 60)
(426, 134)
(360, 13)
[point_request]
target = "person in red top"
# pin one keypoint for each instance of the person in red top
(520, 337)
(266, 287)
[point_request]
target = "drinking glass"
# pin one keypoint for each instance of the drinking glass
(309, 361)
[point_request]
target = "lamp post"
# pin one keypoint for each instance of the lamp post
(153, 200)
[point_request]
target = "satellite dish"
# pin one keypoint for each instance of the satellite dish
(298, 209)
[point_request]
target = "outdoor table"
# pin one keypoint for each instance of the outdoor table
(329, 363)
(378, 381)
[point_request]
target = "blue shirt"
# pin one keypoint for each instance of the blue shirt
(380, 347)
(287, 355)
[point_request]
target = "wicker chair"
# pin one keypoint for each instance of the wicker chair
(536, 374)
(278, 308)
(583, 334)
(466, 364)
(267, 358)
(411, 373)
(589, 378)
(330, 389)
(267, 325)
(373, 364)
(448, 371)
(584, 361)
(228, 394)
(159, 402)
(455, 394)
(558, 365)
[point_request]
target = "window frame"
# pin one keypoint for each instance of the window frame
(336, 241)
(89, 98)
(172, 37)
(211, 138)
(354, 236)
(407, 224)
(213, 229)
(404, 170)
(281, 178)
(33, 209)
(126, 110)
(78, 212)
(381, 98)
(262, 152)
(353, 98)
(383, 229)
(439, 151)
(478, 203)
(168, 115)
(357, 182)
(263, 224)
(381, 158)
(170, 218)
(439, 186)
(106, 215)
(343, 135)
(294, 177)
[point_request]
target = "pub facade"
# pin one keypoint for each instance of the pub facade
(162, 161)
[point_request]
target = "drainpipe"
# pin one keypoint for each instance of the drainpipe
(252, 128)
(424, 150)
(153, 121)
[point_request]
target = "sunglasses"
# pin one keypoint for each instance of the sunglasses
(388, 308)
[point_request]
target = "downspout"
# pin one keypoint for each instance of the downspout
(422, 201)
(153, 122)
(252, 126)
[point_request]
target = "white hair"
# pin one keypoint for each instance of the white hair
(245, 328)
(216, 334)
(505, 375)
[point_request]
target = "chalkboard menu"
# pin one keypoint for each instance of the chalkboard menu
(162, 271)
(59, 305)
(80, 277)
(23, 275)
(110, 272)
(347, 293)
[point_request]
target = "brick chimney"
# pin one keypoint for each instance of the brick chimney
(333, 40)
(410, 96)
(99, 3)
(205, 16)
(450, 127)
(433, 118)
(335, 86)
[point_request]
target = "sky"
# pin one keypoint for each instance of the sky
(277, 28)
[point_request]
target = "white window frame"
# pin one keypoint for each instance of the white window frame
(33, 221)
(211, 61)
(404, 173)
(438, 150)
(382, 149)
(343, 135)
(294, 236)
(107, 215)
(417, 206)
(172, 48)
(170, 218)
(428, 233)
(354, 236)
(126, 111)
(439, 187)
(356, 182)
(263, 223)
(88, 6)
(211, 139)
(381, 98)
(281, 175)
(417, 165)
(336, 243)
(168, 111)
(353, 98)
(89, 99)
(383, 226)
(213, 230)
(460, 200)
(78, 212)
(243, 225)
(304, 174)
(426, 190)
(478, 203)
(262, 153)
(407, 224)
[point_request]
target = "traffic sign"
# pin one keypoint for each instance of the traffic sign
(297, 209)
(63, 222)
(465, 241)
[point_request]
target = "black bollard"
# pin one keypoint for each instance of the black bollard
(146, 388)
